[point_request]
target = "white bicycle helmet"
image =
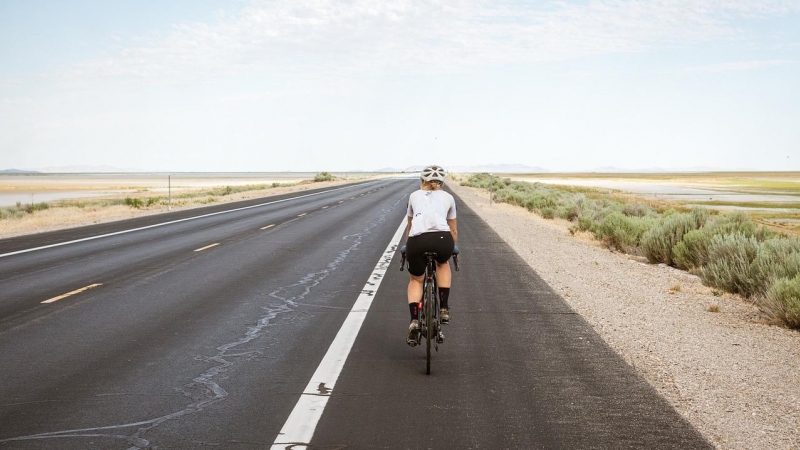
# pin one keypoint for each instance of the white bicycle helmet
(432, 173)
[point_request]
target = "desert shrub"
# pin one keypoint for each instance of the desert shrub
(730, 257)
(739, 222)
(636, 209)
(776, 258)
(548, 213)
(30, 208)
(219, 191)
(11, 213)
(323, 176)
(133, 202)
(19, 210)
(658, 241)
(152, 201)
(622, 232)
(568, 212)
(782, 301)
(691, 252)
(700, 216)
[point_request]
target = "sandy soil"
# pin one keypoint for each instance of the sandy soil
(732, 376)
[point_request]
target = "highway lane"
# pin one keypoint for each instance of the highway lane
(181, 347)
(518, 370)
(51, 272)
(185, 349)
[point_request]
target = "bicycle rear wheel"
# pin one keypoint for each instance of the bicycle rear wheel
(430, 333)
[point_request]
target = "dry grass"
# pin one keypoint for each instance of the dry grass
(675, 289)
(714, 308)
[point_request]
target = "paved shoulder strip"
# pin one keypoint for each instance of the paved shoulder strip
(299, 427)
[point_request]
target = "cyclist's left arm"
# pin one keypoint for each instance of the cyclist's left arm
(451, 219)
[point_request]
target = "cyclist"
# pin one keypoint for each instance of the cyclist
(431, 228)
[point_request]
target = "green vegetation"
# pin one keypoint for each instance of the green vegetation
(21, 209)
(133, 202)
(323, 176)
(730, 252)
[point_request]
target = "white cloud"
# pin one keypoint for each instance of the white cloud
(311, 37)
(734, 66)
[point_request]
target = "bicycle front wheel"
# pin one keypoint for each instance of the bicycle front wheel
(430, 333)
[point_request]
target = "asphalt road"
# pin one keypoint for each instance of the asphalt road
(219, 348)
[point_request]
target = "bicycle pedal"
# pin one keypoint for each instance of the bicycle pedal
(440, 338)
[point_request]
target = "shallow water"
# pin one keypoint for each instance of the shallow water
(24, 197)
(48, 187)
(678, 191)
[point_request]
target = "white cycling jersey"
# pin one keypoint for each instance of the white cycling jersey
(430, 211)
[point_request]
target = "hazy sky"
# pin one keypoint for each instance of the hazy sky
(216, 85)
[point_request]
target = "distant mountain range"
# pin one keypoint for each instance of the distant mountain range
(18, 171)
(86, 169)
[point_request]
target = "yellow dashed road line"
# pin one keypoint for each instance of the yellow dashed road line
(207, 247)
(76, 291)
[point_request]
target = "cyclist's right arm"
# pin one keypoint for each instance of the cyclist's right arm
(453, 229)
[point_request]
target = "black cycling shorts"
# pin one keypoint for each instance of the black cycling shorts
(440, 242)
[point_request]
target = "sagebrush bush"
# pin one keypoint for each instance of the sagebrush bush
(740, 222)
(776, 258)
(622, 232)
(730, 251)
(691, 252)
(637, 209)
(133, 202)
(730, 257)
(782, 301)
(323, 176)
(658, 241)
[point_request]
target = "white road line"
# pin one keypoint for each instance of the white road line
(90, 238)
(76, 291)
(299, 427)
(324, 207)
(268, 226)
(341, 202)
(301, 215)
(207, 247)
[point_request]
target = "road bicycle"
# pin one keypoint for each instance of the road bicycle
(429, 320)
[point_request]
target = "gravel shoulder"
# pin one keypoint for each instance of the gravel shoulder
(734, 377)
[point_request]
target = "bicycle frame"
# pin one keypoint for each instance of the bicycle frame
(429, 320)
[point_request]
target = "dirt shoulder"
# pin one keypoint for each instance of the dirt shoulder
(728, 373)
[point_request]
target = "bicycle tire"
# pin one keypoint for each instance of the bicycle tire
(430, 335)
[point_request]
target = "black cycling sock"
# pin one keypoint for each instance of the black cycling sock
(444, 294)
(414, 309)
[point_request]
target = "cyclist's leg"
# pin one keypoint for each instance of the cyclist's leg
(414, 290)
(443, 276)
(416, 272)
(444, 250)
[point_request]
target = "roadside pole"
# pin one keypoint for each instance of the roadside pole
(491, 188)
(169, 190)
